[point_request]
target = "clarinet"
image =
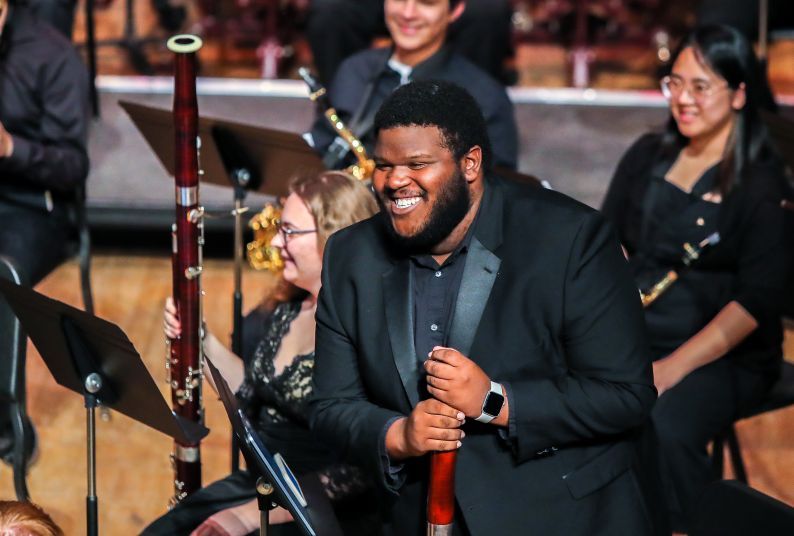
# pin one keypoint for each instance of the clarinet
(184, 360)
(691, 255)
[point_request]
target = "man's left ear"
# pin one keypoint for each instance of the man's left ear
(457, 11)
(471, 163)
(739, 97)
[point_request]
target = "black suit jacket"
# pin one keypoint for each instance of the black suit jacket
(546, 305)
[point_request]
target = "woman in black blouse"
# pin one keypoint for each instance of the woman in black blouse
(716, 333)
(274, 383)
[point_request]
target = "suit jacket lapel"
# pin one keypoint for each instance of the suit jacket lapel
(398, 300)
(479, 274)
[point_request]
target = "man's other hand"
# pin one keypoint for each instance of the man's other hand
(431, 426)
(456, 380)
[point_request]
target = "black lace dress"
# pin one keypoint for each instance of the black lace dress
(276, 403)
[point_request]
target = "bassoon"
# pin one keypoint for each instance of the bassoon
(184, 360)
(441, 493)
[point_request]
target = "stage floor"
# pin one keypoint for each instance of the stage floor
(133, 468)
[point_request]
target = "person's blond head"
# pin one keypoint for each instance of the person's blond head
(335, 200)
(26, 519)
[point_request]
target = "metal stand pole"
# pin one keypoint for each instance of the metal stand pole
(93, 383)
(91, 54)
(240, 178)
(264, 496)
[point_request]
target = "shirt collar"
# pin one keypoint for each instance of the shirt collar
(402, 69)
(429, 68)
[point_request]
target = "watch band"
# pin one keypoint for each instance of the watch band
(496, 389)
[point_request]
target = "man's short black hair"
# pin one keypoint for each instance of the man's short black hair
(440, 104)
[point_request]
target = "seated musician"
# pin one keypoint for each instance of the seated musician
(43, 157)
(339, 28)
(716, 332)
(364, 80)
(274, 383)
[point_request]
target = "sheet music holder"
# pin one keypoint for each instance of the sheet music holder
(310, 516)
(278, 155)
(95, 359)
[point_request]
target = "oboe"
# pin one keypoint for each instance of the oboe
(691, 255)
(184, 359)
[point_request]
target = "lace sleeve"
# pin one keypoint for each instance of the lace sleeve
(343, 481)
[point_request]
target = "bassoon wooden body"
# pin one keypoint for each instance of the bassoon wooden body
(441, 493)
(185, 353)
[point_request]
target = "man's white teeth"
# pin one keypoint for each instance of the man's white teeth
(405, 202)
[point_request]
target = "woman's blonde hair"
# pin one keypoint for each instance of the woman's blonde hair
(26, 518)
(335, 200)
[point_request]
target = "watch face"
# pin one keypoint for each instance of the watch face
(493, 404)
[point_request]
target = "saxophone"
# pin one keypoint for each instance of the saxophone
(365, 166)
(691, 255)
(261, 256)
(183, 362)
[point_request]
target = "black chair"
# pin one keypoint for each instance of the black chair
(80, 247)
(728, 508)
(12, 382)
(780, 396)
(13, 344)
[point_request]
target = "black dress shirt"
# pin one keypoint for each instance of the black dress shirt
(435, 289)
(44, 106)
(654, 219)
(365, 80)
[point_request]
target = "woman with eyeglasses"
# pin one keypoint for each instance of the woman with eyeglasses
(273, 382)
(715, 334)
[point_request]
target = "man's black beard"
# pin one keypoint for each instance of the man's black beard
(451, 207)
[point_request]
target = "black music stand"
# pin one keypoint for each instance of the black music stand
(278, 156)
(245, 157)
(276, 485)
(95, 359)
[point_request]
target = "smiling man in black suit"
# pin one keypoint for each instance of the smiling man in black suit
(485, 316)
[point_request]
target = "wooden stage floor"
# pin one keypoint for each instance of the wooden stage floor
(134, 475)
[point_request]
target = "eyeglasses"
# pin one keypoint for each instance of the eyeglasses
(287, 232)
(699, 90)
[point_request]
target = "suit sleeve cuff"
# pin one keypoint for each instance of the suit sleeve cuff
(393, 472)
(510, 434)
(19, 156)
